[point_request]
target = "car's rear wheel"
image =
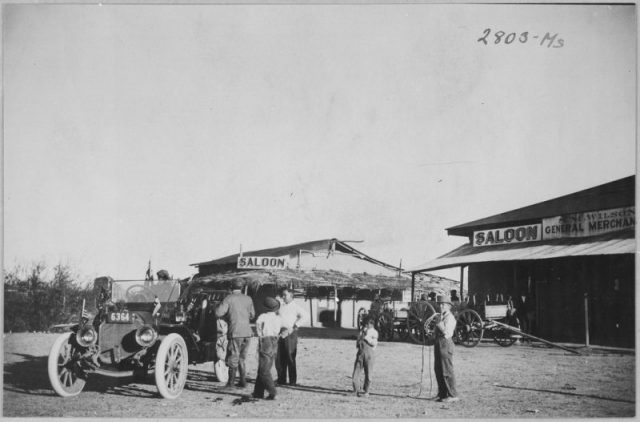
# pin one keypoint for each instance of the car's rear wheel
(64, 373)
(172, 364)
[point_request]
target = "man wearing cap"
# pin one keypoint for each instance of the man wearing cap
(268, 328)
(238, 310)
(443, 350)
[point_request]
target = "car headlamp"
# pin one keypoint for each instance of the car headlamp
(146, 335)
(86, 336)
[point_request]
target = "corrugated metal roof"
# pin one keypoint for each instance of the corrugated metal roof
(619, 193)
(315, 246)
(622, 242)
(325, 246)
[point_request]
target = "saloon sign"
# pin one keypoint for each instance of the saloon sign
(507, 235)
(589, 223)
(263, 262)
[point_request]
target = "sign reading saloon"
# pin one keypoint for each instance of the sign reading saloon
(589, 223)
(507, 235)
(262, 262)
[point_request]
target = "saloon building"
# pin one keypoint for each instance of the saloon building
(572, 257)
(331, 279)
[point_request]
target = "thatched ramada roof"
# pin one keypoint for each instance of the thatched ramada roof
(323, 280)
(306, 279)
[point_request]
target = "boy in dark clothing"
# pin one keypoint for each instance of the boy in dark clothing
(268, 328)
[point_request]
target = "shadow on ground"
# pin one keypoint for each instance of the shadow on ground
(566, 393)
(30, 376)
(336, 333)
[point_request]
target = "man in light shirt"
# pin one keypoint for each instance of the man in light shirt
(291, 316)
(443, 350)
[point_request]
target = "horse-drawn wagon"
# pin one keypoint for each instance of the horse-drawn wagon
(415, 322)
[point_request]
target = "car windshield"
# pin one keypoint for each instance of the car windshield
(145, 291)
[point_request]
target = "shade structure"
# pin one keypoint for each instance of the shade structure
(306, 279)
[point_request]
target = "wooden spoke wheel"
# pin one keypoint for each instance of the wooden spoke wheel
(503, 337)
(385, 326)
(430, 330)
(172, 364)
(65, 375)
(469, 328)
(417, 317)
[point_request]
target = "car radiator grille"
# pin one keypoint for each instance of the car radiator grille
(117, 342)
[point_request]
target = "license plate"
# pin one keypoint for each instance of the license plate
(123, 317)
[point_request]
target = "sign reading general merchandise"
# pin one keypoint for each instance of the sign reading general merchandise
(589, 223)
(263, 262)
(506, 235)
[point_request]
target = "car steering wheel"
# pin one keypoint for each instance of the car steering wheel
(139, 293)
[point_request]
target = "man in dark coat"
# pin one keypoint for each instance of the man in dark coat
(238, 309)
(525, 312)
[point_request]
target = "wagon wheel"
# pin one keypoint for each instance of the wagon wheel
(417, 316)
(503, 337)
(469, 328)
(171, 366)
(430, 330)
(400, 326)
(65, 375)
(385, 326)
(362, 314)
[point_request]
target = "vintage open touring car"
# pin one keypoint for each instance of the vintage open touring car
(141, 327)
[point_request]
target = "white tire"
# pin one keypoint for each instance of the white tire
(62, 377)
(221, 370)
(172, 365)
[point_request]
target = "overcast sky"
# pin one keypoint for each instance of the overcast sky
(177, 133)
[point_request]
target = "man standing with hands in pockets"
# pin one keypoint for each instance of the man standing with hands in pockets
(443, 350)
(290, 316)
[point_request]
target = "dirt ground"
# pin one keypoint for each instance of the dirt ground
(520, 381)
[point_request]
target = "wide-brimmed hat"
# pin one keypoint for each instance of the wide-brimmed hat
(270, 304)
(443, 299)
(238, 283)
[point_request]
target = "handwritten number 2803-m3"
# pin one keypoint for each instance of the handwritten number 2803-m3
(501, 37)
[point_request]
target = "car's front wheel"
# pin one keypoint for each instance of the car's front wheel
(172, 364)
(64, 373)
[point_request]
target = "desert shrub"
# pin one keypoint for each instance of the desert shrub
(35, 302)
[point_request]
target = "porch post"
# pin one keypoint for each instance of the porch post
(353, 313)
(586, 319)
(413, 285)
(335, 305)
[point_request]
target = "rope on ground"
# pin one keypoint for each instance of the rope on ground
(422, 374)
(429, 365)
